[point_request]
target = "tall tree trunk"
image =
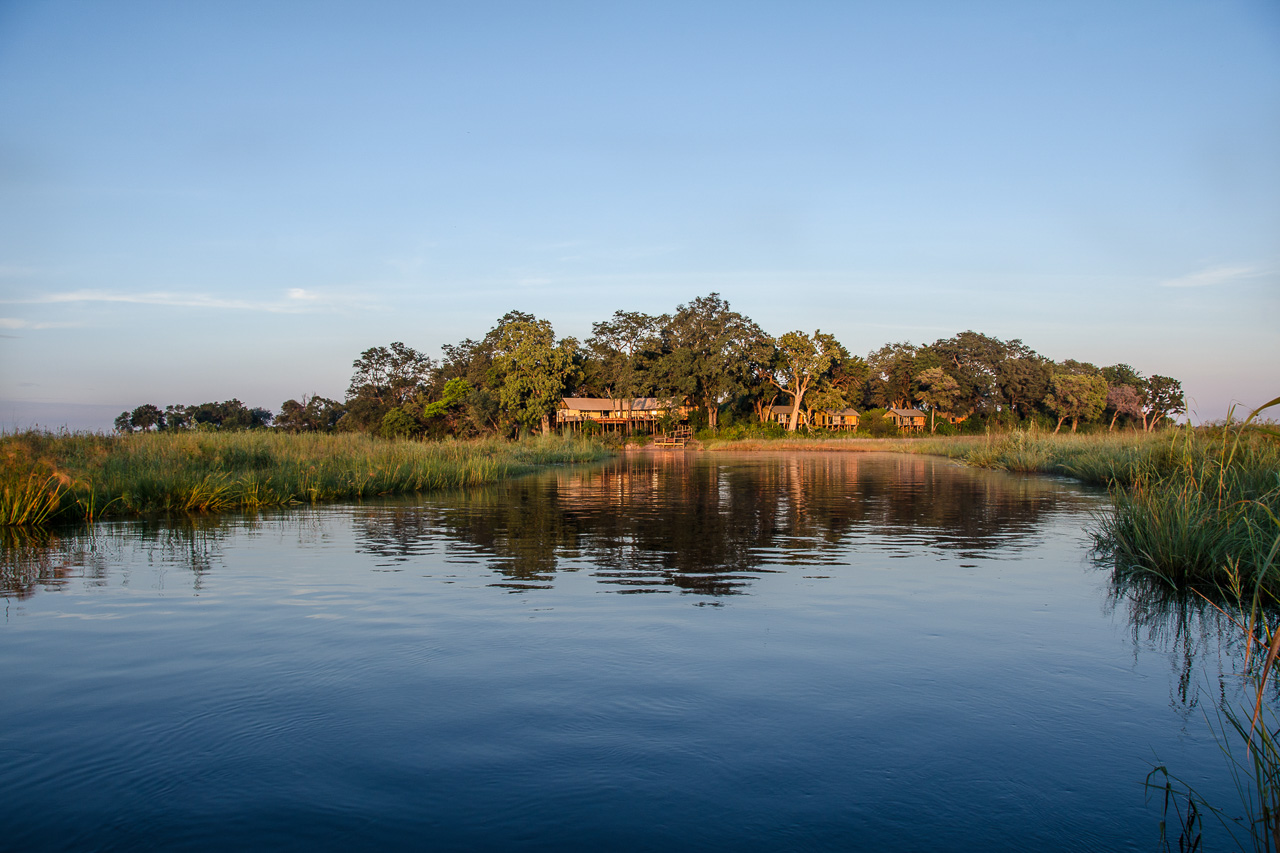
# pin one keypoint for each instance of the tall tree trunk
(1113, 421)
(797, 398)
(1061, 420)
(1074, 421)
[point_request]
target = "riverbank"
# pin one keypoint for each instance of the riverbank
(47, 477)
(1191, 507)
(1098, 459)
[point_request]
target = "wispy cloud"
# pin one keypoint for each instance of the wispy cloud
(295, 301)
(14, 323)
(1214, 276)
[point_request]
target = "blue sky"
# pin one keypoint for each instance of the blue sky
(207, 200)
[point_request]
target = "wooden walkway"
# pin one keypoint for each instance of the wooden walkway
(679, 438)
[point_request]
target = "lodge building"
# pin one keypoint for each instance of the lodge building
(641, 413)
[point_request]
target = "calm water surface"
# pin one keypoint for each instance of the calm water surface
(693, 652)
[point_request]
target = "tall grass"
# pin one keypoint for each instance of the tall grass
(46, 477)
(1200, 511)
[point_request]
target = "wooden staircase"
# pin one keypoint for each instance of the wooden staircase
(679, 437)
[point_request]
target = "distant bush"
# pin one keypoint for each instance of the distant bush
(876, 425)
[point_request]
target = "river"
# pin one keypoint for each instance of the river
(669, 651)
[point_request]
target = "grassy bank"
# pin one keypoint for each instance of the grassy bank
(46, 477)
(1191, 507)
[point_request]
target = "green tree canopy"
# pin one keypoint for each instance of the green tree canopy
(147, 416)
(1164, 399)
(622, 353)
(531, 371)
(1077, 395)
(893, 369)
(711, 354)
(938, 392)
(384, 378)
(313, 414)
(804, 362)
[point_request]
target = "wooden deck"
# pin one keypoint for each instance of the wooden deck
(679, 438)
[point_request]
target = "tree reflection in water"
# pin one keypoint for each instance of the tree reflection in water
(709, 523)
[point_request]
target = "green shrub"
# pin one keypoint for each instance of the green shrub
(875, 424)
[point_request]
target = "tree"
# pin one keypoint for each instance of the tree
(1123, 374)
(124, 422)
(1076, 395)
(938, 391)
(398, 423)
(973, 361)
(802, 362)
(384, 378)
(146, 417)
(893, 369)
(849, 376)
(1023, 377)
(473, 361)
(455, 393)
(176, 418)
(624, 349)
(313, 414)
(231, 414)
(531, 371)
(390, 375)
(711, 353)
(1164, 400)
(1123, 400)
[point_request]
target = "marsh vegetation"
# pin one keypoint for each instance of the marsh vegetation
(47, 477)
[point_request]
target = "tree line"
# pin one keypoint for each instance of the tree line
(717, 361)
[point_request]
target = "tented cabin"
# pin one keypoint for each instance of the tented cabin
(639, 413)
(907, 420)
(782, 414)
(837, 419)
(840, 419)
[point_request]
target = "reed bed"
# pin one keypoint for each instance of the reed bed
(47, 477)
(1203, 513)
